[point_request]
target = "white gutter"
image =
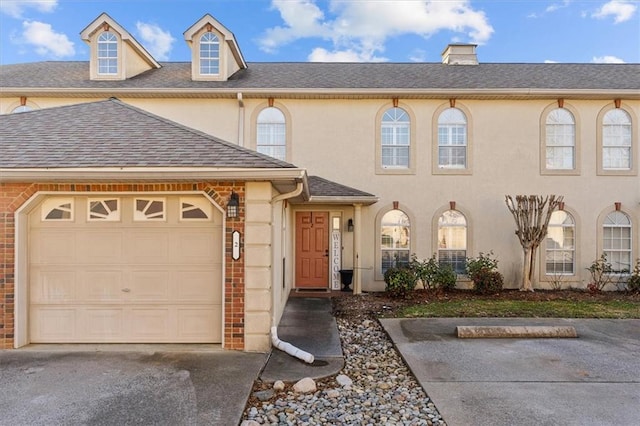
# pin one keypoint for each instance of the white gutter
(240, 119)
(501, 93)
(149, 174)
(285, 346)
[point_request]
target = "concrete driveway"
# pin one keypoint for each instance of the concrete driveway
(590, 380)
(142, 385)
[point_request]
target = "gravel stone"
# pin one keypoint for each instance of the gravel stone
(382, 388)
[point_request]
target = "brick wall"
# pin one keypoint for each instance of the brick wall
(14, 195)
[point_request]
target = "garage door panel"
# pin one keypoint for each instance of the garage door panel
(150, 324)
(149, 286)
(195, 247)
(51, 324)
(199, 324)
(149, 247)
(53, 286)
(196, 286)
(101, 324)
(52, 247)
(100, 286)
(99, 247)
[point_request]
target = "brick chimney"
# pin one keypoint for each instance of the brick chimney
(460, 54)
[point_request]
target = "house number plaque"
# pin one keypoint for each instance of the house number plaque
(235, 245)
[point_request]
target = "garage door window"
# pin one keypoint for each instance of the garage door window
(104, 209)
(58, 209)
(149, 209)
(194, 209)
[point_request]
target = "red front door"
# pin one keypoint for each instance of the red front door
(312, 250)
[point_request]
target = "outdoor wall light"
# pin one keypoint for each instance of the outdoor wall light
(350, 225)
(233, 206)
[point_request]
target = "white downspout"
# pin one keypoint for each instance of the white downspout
(275, 341)
(240, 119)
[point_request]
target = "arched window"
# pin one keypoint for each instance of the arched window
(209, 54)
(22, 108)
(271, 137)
(395, 138)
(395, 234)
(560, 251)
(107, 53)
(560, 140)
(616, 140)
(452, 240)
(616, 241)
(452, 139)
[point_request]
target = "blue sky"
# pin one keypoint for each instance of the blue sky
(585, 31)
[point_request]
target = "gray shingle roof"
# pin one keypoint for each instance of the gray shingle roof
(320, 187)
(111, 133)
(408, 76)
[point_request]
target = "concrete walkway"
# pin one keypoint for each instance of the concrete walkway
(308, 324)
(590, 380)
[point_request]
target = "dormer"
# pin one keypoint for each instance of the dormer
(115, 54)
(215, 55)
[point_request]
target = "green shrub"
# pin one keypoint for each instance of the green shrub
(446, 278)
(601, 274)
(633, 283)
(483, 271)
(433, 274)
(487, 282)
(400, 281)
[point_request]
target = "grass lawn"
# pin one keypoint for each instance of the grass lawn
(617, 309)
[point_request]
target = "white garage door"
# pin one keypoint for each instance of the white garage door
(126, 269)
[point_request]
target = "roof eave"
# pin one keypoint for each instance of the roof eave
(202, 92)
(149, 174)
(328, 199)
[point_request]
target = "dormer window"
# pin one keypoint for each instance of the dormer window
(107, 54)
(209, 54)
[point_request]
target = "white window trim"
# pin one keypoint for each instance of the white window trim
(115, 218)
(288, 127)
(200, 203)
(382, 170)
(600, 241)
(543, 142)
(635, 141)
(435, 147)
(565, 278)
(54, 203)
(378, 276)
(137, 218)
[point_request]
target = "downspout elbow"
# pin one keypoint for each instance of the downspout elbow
(289, 348)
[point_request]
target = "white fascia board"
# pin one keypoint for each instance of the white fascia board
(324, 199)
(111, 174)
(248, 92)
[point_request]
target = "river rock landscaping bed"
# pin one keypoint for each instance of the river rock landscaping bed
(375, 387)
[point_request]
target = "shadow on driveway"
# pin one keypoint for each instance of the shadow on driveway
(126, 388)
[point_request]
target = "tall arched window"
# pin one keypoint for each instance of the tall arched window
(616, 140)
(452, 240)
(395, 234)
(560, 251)
(560, 140)
(107, 53)
(209, 54)
(271, 137)
(616, 241)
(452, 139)
(395, 138)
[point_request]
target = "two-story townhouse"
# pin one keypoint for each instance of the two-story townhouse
(331, 166)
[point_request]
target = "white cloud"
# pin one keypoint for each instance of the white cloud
(555, 6)
(607, 59)
(158, 41)
(16, 8)
(361, 28)
(322, 55)
(621, 10)
(46, 41)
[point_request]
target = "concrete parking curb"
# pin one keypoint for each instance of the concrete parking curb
(476, 332)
